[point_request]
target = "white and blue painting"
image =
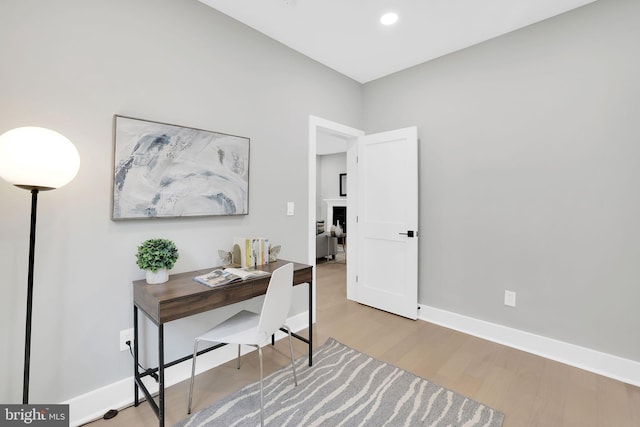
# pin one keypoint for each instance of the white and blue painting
(162, 170)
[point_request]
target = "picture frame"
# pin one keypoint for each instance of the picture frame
(162, 170)
(343, 184)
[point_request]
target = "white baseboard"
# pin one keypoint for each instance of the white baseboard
(93, 405)
(608, 365)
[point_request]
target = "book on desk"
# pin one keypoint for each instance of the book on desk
(225, 276)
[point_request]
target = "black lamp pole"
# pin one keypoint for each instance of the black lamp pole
(32, 247)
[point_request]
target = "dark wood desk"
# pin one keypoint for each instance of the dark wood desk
(181, 296)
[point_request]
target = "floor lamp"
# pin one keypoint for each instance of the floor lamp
(35, 159)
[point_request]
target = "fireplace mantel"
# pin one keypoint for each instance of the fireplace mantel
(330, 204)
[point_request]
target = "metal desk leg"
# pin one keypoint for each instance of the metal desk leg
(136, 374)
(310, 322)
(161, 374)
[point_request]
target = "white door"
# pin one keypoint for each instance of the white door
(387, 221)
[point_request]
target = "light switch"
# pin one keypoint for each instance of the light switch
(289, 208)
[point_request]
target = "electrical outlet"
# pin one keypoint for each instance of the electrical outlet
(290, 208)
(126, 335)
(510, 298)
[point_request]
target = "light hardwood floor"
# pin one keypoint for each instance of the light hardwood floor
(529, 390)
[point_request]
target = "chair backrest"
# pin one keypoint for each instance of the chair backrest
(277, 301)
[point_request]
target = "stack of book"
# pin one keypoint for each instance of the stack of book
(251, 251)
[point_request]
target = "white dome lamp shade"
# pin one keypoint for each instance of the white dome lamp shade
(35, 159)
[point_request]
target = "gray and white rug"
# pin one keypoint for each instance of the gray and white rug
(346, 388)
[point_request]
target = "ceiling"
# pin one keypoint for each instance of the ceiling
(346, 35)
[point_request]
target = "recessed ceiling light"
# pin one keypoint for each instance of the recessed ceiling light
(389, 18)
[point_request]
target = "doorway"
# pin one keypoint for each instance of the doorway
(327, 136)
(382, 213)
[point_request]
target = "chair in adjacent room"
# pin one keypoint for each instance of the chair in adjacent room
(255, 329)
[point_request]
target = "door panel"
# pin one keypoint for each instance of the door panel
(387, 206)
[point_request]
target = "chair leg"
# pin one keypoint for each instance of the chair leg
(261, 391)
(293, 365)
(238, 356)
(193, 373)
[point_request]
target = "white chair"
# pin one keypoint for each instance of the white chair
(255, 329)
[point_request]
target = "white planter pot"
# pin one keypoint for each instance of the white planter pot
(160, 276)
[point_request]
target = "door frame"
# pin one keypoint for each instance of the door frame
(317, 125)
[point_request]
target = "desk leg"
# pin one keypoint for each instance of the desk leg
(136, 374)
(310, 323)
(161, 374)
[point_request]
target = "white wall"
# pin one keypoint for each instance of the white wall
(70, 65)
(529, 157)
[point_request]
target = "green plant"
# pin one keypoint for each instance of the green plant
(154, 254)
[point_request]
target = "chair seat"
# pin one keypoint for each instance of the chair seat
(241, 328)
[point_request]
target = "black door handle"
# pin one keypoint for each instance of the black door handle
(409, 233)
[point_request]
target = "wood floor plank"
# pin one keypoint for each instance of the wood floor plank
(581, 405)
(523, 388)
(613, 403)
(633, 395)
(530, 390)
(549, 401)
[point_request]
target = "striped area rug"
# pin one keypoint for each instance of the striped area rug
(346, 388)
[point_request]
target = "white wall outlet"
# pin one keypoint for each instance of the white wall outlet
(126, 335)
(510, 298)
(290, 208)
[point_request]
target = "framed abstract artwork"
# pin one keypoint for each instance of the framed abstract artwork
(343, 184)
(165, 171)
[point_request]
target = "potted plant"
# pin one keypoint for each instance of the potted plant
(157, 257)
